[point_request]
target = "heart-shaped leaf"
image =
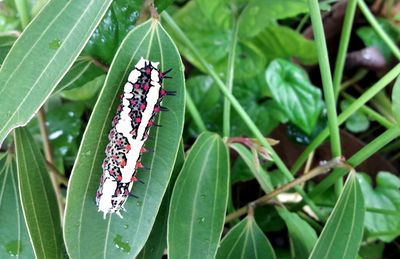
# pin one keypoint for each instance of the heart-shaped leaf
(87, 235)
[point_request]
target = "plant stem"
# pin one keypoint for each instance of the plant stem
(374, 23)
(371, 92)
(195, 113)
(357, 77)
(371, 113)
(229, 80)
(343, 45)
(326, 76)
(359, 157)
(239, 109)
(23, 12)
(322, 169)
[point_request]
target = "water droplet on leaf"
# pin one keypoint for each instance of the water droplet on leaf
(14, 247)
(121, 245)
(55, 44)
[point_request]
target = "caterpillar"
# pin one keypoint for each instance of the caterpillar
(140, 103)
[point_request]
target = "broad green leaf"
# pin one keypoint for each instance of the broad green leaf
(82, 72)
(115, 237)
(396, 100)
(385, 196)
(14, 238)
(39, 201)
(42, 55)
(260, 174)
(7, 39)
(284, 42)
(297, 97)
(199, 200)
(259, 14)
(245, 240)
(358, 122)
(218, 12)
(343, 231)
(302, 235)
(157, 241)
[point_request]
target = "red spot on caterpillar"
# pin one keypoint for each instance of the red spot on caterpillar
(139, 164)
(128, 147)
(161, 74)
(133, 102)
(119, 142)
(114, 157)
(138, 119)
(148, 70)
(162, 92)
(119, 178)
(133, 132)
(134, 179)
(122, 163)
(143, 106)
(112, 172)
(119, 108)
(146, 87)
(137, 86)
(143, 150)
(156, 109)
(150, 123)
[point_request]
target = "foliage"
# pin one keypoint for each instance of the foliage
(221, 178)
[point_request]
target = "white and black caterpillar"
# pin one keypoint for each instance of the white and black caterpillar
(140, 102)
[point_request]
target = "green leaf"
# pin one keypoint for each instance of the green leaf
(302, 235)
(199, 200)
(157, 241)
(371, 39)
(259, 14)
(245, 240)
(115, 237)
(284, 42)
(117, 22)
(385, 196)
(358, 122)
(86, 91)
(42, 55)
(343, 231)
(6, 41)
(39, 201)
(260, 174)
(218, 12)
(82, 72)
(297, 97)
(396, 100)
(14, 238)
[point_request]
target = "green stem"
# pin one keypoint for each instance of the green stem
(374, 23)
(326, 76)
(357, 77)
(23, 12)
(343, 45)
(229, 81)
(371, 92)
(195, 113)
(242, 113)
(383, 104)
(371, 113)
(359, 157)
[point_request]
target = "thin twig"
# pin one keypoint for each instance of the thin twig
(100, 65)
(49, 157)
(61, 178)
(322, 169)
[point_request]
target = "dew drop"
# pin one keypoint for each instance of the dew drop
(14, 248)
(55, 44)
(126, 226)
(201, 219)
(121, 245)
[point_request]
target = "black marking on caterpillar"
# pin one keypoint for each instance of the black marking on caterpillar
(140, 102)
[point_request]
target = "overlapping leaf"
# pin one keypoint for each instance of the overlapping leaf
(14, 236)
(42, 55)
(199, 200)
(39, 201)
(87, 235)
